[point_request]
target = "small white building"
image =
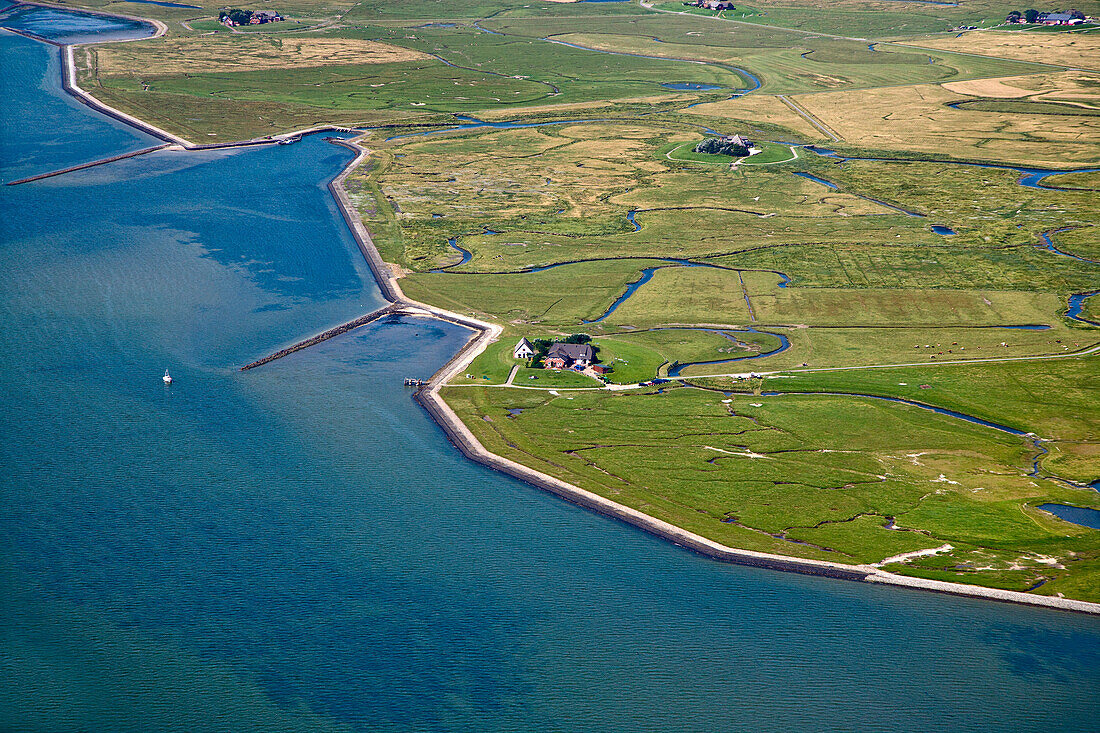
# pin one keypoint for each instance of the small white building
(524, 349)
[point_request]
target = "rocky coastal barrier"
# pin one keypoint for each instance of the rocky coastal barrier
(82, 166)
(323, 336)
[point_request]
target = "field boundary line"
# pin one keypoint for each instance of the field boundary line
(805, 114)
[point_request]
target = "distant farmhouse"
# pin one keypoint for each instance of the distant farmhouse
(737, 146)
(574, 353)
(230, 17)
(1068, 17)
(710, 4)
(569, 356)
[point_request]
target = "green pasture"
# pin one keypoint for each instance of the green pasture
(213, 119)
(578, 74)
(786, 61)
(412, 85)
(541, 198)
(843, 346)
(564, 295)
(1016, 106)
(818, 469)
(771, 153)
(494, 364)
(1075, 180)
(431, 10)
(685, 151)
(1057, 398)
(208, 25)
(641, 355)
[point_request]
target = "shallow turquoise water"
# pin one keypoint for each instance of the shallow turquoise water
(299, 548)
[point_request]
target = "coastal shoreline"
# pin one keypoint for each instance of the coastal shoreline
(72, 87)
(485, 333)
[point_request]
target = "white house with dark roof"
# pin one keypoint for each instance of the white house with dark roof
(524, 349)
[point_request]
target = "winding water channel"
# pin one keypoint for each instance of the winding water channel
(299, 548)
(1029, 177)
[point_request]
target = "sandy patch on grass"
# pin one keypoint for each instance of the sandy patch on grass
(210, 54)
(1079, 88)
(988, 88)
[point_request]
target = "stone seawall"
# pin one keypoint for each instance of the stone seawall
(323, 336)
(92, 164)
(350, 214)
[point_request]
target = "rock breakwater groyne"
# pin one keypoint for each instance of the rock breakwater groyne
(91, 164)
(323, 336)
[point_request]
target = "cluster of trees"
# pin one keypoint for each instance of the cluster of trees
(1031, 15)
(238, 16)
(716, 146)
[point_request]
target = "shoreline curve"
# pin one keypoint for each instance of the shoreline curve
(485, 333)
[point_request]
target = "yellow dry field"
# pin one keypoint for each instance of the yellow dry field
(916, 118)
(1077, 88)
(1074, 49)
(761, 108)
(988, 88)
(246, 53)
(512, 172)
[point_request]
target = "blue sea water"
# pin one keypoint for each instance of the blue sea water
(299, 548)
(64, 131)
(72, 26)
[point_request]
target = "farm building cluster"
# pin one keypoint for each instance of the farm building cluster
(737, 146)
(710, 4)
(559, 355)
(231, 17)
(1066, 17)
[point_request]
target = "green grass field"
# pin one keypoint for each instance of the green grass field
(814, 476)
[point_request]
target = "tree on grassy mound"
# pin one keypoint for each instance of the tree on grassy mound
(722, 146)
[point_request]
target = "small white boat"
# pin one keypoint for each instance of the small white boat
(167, 377)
